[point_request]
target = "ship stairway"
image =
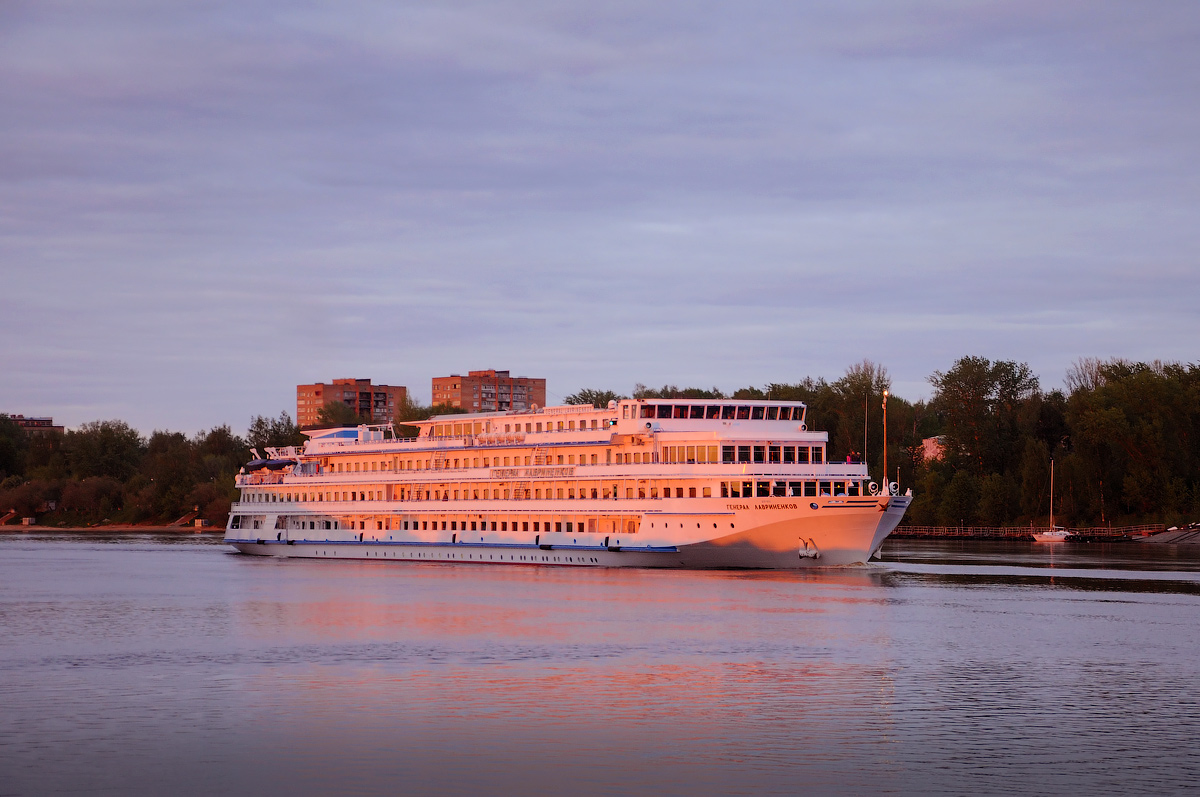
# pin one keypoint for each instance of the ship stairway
(539, 456)
(522, 491)
(7, 517)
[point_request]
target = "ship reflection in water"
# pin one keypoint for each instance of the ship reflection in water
(144, 665)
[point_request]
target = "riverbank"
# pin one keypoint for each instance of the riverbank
(114, 527)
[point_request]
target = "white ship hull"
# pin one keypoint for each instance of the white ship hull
(768, 533)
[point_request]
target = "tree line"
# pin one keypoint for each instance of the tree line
(1124, 437)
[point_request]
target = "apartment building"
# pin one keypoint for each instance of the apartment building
(489, 391)
(380, 403)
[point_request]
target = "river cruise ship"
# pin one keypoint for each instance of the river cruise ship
(640, 483)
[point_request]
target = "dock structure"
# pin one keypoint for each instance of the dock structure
(1091, 534)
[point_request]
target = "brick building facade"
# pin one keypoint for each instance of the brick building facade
(380, 403)
(489, 391)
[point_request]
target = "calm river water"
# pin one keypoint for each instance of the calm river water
(167, 665)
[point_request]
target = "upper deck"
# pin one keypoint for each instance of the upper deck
(663, 418)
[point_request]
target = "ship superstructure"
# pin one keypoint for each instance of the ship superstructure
(646, 483)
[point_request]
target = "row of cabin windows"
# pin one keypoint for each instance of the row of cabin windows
(789, 489)
(786, 455)
(358, 467)
(462, 429)
(592, 525)
(499, 462)
(336, 495)
(608, 492)
(725, 412)
(773, 454)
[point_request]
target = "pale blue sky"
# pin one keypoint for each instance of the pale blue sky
(203, 204)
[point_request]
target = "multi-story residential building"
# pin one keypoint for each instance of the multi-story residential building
(380, 403)
(489, 391)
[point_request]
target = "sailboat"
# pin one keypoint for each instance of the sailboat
(1053, 534)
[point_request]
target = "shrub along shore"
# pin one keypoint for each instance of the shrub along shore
(1124, 437)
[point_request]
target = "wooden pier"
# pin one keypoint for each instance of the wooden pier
(1091, 534)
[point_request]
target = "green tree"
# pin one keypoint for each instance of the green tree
(13, 443)
(282, 431)
(981, 403)
(104, 448)
(597, 398)
(960, 500)
(336, 414)
(640, 391)
(999, 499)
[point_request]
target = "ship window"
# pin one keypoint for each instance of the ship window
(570, 527)
(504, 525)
(743, 453)
(560, 459)
(536, 526)
(664, 410)
(539, 427)
(818, 454)
(560, 426)
(681, 410)
(773, 454)
(558, 525)
(728, 412)
(824, 489)
(454, 525)
(757, 413)
(473, 526)
(772, 413)
(524, 526)
(679, 492)
(760, 453)
(789, 455)
(852, 488)
(839, 488)
(708, 492)
(654, 492)
(641, 492)
(747, 489)
(802, 455)
(629, 492)
(785, 413)
(727, 453)
(443, 525)
(690, 454)
(724, 489)
(795, 488)
(691, 492)
(764, 489)
(493, 525)
(424, 524)
(696, 411)
(570, 459)
(571, 493)
(743, 413)
(779, 489)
